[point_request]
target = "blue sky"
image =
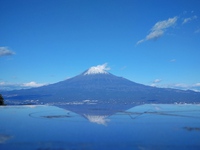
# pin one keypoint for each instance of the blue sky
(153, 42)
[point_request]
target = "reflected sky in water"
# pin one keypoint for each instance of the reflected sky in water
(153, 126)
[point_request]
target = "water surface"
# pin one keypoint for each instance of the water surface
(144, 127)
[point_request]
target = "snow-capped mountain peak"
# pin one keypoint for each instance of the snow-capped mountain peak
(99, 69)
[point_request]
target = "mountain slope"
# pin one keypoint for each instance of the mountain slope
(98, 84)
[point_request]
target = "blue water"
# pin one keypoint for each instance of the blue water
(145, 127)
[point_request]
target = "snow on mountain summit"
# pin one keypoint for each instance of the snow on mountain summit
(99, 69)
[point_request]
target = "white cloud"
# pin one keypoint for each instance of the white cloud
(4, 51)
(157, 80)
(197, 84)
(102, 69)
(159, 29)
(32, 84)
(186, 20)
(172, 60)
(153, 84)
(164, 24)
(9, 86)
(17, 86)
(197, 31)
(181, 86)
(2, 83)
(194, 87)
(154, 34)
(140, 41)
(124, 67)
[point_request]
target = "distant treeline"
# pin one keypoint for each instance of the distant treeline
(1, 100)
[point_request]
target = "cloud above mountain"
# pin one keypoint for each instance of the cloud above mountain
(99, 69)
(159, 29)
(5, 51)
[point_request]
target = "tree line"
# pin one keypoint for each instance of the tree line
(1, 100)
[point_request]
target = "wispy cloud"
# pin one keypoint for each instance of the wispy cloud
(159, 29)
(197, 84)
(197, 31)
(5, 51)
(194, 87)
(173, 60)
(157, 80)
(186, 20)
(124, 67)
(32, 84)
(104, 67)
(181, 86)
(98, 69)
(16, 86)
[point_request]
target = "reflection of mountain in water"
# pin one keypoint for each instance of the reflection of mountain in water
(96, 113)
(104, 114)
(49, 127)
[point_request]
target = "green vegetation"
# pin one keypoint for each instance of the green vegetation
(1, 100)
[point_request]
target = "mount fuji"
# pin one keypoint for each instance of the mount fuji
(97, 85)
